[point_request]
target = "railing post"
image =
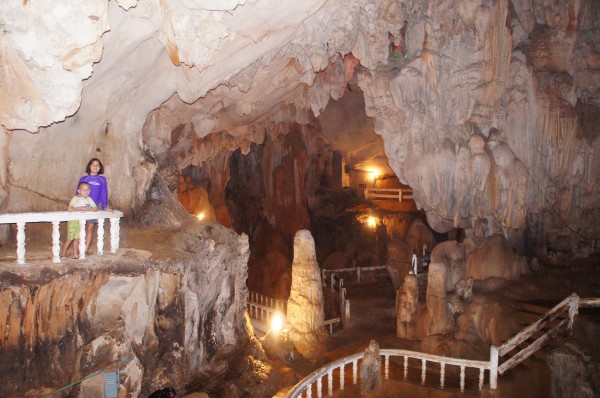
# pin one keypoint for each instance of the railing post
(493, 367)
(100, 236)
(573, 310)
(357, 274)
(114, 234)
(55, 242)
(82, 239)
(21, 242)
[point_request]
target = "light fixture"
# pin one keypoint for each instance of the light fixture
(277, 322)
(372, 222)
(200, 216)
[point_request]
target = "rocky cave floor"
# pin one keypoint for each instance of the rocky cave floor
(372, 313)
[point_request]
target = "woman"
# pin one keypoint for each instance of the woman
(98, 193)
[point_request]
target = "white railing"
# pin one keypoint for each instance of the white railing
(353, 270)
(399, 194)
(56, 217)
(261, 309)
(339, 367)
(570, 304)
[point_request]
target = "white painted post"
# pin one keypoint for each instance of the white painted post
(55, 241)
(329, 383)
(342, 376)
(493, 367)
(114, 234)
(405, 367)
(387, 367)
(347, 308)
(355, 371)
(319, 388)
(442, 374)
(573, 310)
(21, 242)
(82, 239)
(358, 274)
(100, 235)
(423, 370)
(481, 371)
(332, 281)
(462, 378)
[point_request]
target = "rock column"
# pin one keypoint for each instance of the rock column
(439, 318)
(305, 313)
(407, 305)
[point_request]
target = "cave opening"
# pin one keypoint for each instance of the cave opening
(329, 176)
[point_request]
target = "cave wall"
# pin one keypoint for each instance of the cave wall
(487, 109)
(180, 320)
(485, 117)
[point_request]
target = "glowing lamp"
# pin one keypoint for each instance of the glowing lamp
(372, 222)
(200, 216)
(374, 174)
(276, 322)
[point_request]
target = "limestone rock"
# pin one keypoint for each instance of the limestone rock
(370, 371)
(305, 311)
(82, 320)
(439, 319)
(494, 258)
(407, 307)
(452, 254)
(398, 264)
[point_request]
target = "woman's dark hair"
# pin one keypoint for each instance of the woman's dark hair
(87, 169)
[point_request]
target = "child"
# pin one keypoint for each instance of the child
(98, 193)
(80, 202)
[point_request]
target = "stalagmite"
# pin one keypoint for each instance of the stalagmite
(305, 314)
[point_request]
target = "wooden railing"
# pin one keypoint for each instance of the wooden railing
(399, 194)
(56, 217)
(569, 305)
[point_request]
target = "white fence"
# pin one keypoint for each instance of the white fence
(261, 309)
(399, 194)
(56, 217)
(338, 368)
(569, 305)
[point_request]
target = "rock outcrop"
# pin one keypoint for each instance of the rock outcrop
(59, 324)
(489, 111)
(305, 307)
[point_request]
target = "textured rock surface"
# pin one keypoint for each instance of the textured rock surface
(407, 308)
(370, 371)
(438, 318)
(490, 113)
(305, 308)
(161, 313)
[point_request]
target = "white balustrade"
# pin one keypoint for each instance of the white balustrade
(570, 305)
(329, 369)
(56, 217)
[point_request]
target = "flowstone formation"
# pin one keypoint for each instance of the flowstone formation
(489, 111)
(168, 315)
(305, 313)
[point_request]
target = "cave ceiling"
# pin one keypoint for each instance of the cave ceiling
(485, 108)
